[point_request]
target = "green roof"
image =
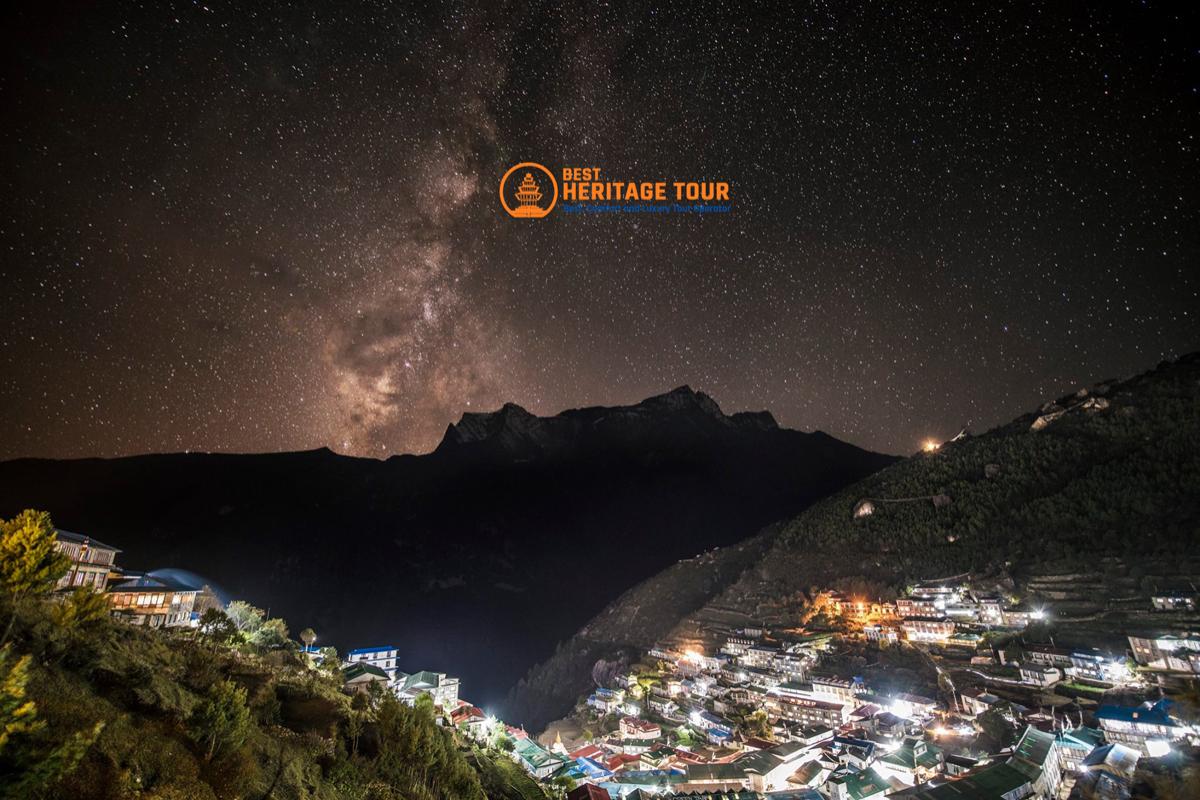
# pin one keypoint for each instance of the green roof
(359, 669)
(1032, 751)
(865, 784)
(535, 755)
(987, 783)
(421, 680)
(1089, 737)
(906, 756)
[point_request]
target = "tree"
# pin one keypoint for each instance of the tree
(998, 730)
(245, 617)
(271, 635)
(221, 722)
(79, 619)
(355, 721)
(83, 608)
(757, 724)
(417, 756)
(216, 625)
(331, 665)
(28, 763)
(561, 785)
(308, 636)
(18, 716)
(30, 561)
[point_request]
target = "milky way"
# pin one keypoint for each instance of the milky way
(276, 226)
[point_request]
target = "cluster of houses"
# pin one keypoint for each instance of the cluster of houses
(762, 717)
(375, 669)
(378, 666)
(157, 601)
(936, 612)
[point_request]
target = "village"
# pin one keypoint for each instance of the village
(958, 702)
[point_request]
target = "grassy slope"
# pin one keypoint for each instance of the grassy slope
(144, 684)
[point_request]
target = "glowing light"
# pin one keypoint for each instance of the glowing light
(1157, 748)
(929, 445)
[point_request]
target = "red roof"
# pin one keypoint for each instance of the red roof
(588, 791)
(466, 712)
(690, 757)
(638, 724)
(618, 761)
(588, 751)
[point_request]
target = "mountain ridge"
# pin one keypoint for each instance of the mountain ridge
(452, 555)
(1100, 487)
(682, 411)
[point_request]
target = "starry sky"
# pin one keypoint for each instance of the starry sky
(266, 226)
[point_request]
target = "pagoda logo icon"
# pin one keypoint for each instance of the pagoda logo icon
(528, 191)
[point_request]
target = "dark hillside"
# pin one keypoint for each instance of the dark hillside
(1085, 512)
(475, 559)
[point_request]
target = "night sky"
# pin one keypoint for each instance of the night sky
(277, 227)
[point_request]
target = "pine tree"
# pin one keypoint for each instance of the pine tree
(30, 561)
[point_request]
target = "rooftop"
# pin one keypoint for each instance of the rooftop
(986, 783)
(1145, 714)
(359, 670)
(1032, 750)
(863, 784)
(78, 538)
(148, 584)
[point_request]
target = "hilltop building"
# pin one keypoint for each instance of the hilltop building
(157, 602)
(360, 676)
(382, 657)
(91, 560)
(441, 688)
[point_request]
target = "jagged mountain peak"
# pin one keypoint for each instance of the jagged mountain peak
(684, 398)
(517, 431)
(509, 422)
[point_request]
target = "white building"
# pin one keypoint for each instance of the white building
(383, 657)
(440, 687)
(928, 629)
(1040, 674)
